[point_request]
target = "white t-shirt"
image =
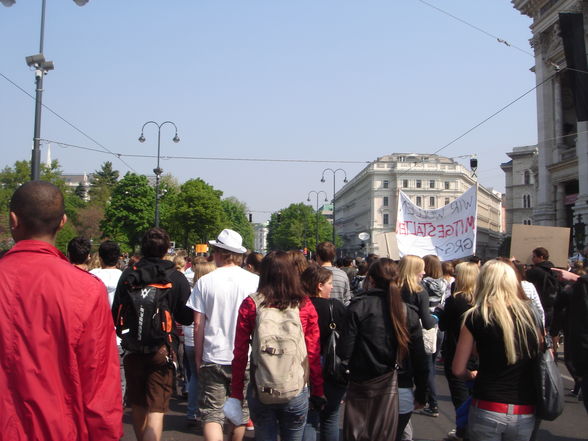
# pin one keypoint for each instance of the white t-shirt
(109, 277)
(218, 295)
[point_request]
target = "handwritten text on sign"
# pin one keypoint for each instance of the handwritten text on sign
(449, 231)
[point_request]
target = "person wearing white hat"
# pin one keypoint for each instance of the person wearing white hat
(216, 299)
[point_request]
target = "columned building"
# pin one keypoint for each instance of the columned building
(562, 160)
(521, 178)
(260, 238)
(368, 202)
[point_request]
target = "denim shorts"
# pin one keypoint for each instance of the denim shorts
(485, 425)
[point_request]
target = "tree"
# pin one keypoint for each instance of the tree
(88, 222)
(289, 227)
(197, 214)
(102, 183)
(236, 219)
(130, 211)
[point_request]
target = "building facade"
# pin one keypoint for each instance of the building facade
(260, 238)
(368, 203)
(520, 184)
(562, 160)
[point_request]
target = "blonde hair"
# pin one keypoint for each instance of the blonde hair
(410, 267)
(497, 302)
(202, 268)
(466, 276)
(94, 262)
(180, 262)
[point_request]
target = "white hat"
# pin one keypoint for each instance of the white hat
(229, 240)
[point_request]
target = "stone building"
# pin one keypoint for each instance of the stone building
(562, 160)
(520, 178)
(260, 237)
(368, 203)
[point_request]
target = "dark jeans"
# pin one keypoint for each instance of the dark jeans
(287, 419)
(457, 388)
(192, 379)
(431, 388)
(403, 420)
(326, 421)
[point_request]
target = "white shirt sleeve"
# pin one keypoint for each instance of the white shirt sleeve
(196, 302)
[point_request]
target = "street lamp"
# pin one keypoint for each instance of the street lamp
(158, 171)
(344, 181)
(317, 193)
(42, 67)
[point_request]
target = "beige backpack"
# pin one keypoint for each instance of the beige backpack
(278, 353)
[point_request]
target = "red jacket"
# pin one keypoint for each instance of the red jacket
(245, 327)
(59, 365)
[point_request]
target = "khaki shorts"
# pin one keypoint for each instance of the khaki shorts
(215, 388)
(149, 380)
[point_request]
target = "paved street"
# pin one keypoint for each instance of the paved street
(571, 426)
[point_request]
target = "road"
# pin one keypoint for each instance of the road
(572, 425)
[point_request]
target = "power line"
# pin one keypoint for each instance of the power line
(67, 122)
(461, 20)
(207, 158)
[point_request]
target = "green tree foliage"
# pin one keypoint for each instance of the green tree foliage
(236, 219)
(13, 177)
(67, 233)
(296, 222)
(102, 183)
(130, 211)
(197, 214)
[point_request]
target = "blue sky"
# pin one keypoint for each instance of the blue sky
(280, 79)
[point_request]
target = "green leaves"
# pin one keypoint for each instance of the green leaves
(296, 223)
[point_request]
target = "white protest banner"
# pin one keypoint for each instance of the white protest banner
(448, 232)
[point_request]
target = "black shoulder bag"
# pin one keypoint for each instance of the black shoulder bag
(332, 366)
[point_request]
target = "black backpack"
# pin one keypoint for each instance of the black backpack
(144, 320)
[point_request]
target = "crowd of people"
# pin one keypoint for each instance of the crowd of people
(278, 343)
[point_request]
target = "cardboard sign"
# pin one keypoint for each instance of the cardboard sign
(387, 246)
(448, 232)
(556, 240)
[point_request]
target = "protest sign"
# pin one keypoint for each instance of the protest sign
(387, 245)
(448, 232)
(525, 238)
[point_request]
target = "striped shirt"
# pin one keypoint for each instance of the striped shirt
(341, 290)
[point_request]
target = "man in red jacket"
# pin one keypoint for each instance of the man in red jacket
(59, 372)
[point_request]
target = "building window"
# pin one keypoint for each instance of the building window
(385, 220)
(385, 201)
(419, 183)
(385, 183)
(527, 222)
(527, 177)
(405, 183)
(432, 183)
(446, 185)
(526, 201)
(446, 201)
(431, 201)
(418, 201)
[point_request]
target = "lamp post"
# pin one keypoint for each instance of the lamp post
(334, 172)
(158, 171)
(42, 67)
(317, 193)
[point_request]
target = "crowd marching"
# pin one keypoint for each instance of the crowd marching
(274, 343)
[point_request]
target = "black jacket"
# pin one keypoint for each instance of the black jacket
(368, 345)
(537, 275)
(421, 301)
(153, 270)
(578, 336)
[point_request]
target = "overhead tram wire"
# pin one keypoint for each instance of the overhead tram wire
(104, 149)
(485, 120)
(498, 39)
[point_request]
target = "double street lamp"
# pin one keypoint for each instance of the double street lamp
(158, 170)
(317, 193)
(334, 172)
